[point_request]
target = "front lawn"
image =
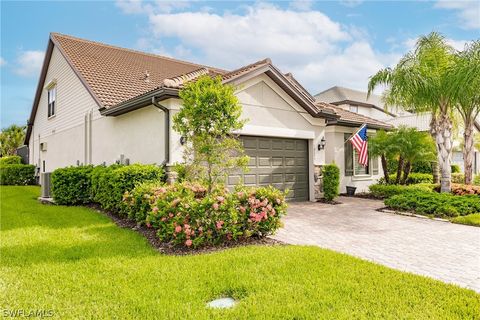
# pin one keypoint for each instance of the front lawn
(79, 264)
(471, 220)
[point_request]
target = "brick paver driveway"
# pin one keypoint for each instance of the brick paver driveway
(437, 249)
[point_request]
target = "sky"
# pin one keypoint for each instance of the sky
(323, 43)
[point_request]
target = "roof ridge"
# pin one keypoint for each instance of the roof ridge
(183, 78)
(256, 63)
(350, 112)
(55, 34)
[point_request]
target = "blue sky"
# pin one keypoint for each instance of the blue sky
(323, 43)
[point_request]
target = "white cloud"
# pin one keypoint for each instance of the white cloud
(301, 5)
(2, 62)
(317, 50)
(157, 6)
(468, 11)
(29, 63)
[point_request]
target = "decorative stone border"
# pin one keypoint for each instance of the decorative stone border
(409, 214)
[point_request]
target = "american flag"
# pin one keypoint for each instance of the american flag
(359, 142)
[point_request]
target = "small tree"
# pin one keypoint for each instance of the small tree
(209, 115)
(11, 138)
(331, 181)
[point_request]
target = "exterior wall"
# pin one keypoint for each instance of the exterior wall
(79, 134)
(335, 153)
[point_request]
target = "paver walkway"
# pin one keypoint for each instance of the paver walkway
(441, 250)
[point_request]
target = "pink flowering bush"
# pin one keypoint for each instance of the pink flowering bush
(185, 214)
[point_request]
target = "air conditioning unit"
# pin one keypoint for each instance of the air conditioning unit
(43, 146)
(46, 184)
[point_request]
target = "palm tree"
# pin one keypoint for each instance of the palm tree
(10, 139)
(414, 146)
(419, 82)
(465, 88)
(380, 146)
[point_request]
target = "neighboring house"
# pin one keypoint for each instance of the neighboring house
(97, 104)
(373, 106)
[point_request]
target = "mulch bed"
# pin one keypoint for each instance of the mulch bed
(332, 202)
(169, 249)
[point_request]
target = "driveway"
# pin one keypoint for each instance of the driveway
(440, 250)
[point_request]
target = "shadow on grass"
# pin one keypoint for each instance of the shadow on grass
(104, 243)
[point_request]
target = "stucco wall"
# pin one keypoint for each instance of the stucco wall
(335, 153)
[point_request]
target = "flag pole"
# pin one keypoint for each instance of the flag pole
(363, 125)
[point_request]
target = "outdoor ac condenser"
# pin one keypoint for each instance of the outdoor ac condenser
(46, 185)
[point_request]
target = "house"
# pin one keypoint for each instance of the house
(100, 104)
(373, 106)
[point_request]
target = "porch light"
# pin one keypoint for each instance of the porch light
(183, 139)
(322, 143)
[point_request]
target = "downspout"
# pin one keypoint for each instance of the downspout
(167, 129)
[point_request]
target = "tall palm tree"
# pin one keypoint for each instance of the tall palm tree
(465, 88)
(419, 82)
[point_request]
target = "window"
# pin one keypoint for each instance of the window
(52, 95)
(353, 108)
(352, 167)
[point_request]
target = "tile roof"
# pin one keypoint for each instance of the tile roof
(352, 117)
(116, 74)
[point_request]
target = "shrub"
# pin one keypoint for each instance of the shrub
(17, 174)
(436, 204)
(138, 202)
(464, 189)
(455, 168)
(72, 185)
(381, 191)
(110, 183)
(476, 180)
(413, 178)
(458, 178)
(331, 181)
(186, 214)
(10, 160)
(422, 167)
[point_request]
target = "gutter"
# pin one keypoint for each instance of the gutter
(167, 129)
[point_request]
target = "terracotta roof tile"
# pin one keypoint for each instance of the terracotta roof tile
(116, 74)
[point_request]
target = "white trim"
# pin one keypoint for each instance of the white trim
(275, 132)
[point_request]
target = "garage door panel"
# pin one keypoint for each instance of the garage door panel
(280, 162)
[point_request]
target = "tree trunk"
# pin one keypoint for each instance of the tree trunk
(468, 151)
(406, 172)
(441, 130)
(435, 172)
(385, 169)
(399, 169)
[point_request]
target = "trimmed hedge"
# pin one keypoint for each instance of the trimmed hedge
(381, 191)
(455, 168)
(436, 204)
(331, 181)
(17, 174)
(101, 184)
(110, 183)
(185, 214)
(72, 185)
(458, 178)
(413, 178)
(10, 160)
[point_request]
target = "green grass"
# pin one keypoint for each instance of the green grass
(471, 220)
(78, 263)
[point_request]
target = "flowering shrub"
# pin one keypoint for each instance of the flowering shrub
(185, 214)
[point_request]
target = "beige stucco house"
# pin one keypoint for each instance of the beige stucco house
(97, 103)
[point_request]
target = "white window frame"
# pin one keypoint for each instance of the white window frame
(354, 107)
(51, 103)
(355, 161)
